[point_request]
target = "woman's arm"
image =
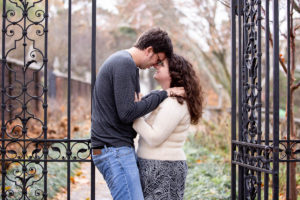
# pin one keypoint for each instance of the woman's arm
(166, 120)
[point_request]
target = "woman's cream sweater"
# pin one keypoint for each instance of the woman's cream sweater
(164, 131)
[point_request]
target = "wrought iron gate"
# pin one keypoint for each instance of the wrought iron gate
(29, 155)
(257, 150)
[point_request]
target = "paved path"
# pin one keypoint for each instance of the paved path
(81, 186)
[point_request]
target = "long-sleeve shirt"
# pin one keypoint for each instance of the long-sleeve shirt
(164, 131)
(113, 106)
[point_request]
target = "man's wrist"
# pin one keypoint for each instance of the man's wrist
(168, 92)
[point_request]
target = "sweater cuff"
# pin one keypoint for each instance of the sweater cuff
(164, 94)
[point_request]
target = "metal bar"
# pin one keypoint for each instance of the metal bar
(233, 96)
(69, 98)
(87, 160)
(250, 144)
(93, 58)
(24, 130)
(259, 103)
(3, 128)
(288, 100)
(291, 141)
(9, 89)
(252, 81)
(45, 106)
(267, 95)
(289, 161)
(240, 50)
(276, 100)
(49, 140)
(43, 160)
(253, 168)
(93, 78)
(241, 186)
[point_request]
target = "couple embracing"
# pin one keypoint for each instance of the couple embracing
(158, 169)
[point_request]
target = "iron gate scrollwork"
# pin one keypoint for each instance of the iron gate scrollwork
(256, 153)
(26, 155)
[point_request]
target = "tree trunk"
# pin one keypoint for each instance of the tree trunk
(292, 172)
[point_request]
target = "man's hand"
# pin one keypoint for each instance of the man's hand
(137, 98)
(176, 91)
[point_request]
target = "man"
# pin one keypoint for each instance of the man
(114, 109)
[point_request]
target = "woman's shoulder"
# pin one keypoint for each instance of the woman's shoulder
(172, 103)
(173, 100)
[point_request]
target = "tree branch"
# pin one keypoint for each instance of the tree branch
(224, 3)
(295, 86)
(280, 60)
(283, 65)
(284, 35)
(296, 7)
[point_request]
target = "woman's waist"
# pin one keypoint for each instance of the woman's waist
(161, 152)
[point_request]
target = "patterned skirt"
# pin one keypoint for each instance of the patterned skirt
(162, 180)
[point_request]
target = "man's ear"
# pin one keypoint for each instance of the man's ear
(149, 51)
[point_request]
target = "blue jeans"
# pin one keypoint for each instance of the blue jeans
(118, 165)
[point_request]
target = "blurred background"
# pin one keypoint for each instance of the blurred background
(200, 31)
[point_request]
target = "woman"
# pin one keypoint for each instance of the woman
(161, 159)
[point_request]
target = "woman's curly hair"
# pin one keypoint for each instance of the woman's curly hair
(183, 75)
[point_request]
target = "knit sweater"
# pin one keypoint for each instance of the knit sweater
(113, 106)
(164, 131)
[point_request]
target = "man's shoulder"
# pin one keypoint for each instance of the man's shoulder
(117, 62)
(119, 58)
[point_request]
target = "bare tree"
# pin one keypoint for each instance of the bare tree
(217, 38)
(294, 85)
(212, 62)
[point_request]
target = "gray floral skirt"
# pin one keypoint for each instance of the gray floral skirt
(162, 180)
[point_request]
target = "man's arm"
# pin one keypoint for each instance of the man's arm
(124, 90)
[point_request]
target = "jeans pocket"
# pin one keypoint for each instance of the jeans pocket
(103, 165)
(123, 151)
(99, 160)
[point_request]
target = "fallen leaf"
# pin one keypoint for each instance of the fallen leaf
(72, 179)
(78, 173)
(7, 187)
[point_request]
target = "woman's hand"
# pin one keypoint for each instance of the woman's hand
(176, 91)
(137, 98)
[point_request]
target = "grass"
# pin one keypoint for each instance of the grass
(208, 157)
(208, 176)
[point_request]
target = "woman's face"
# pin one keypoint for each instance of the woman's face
(162, 75)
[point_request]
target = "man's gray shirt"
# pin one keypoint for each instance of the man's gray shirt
(113, 106)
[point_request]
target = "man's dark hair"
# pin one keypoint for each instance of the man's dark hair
(157, 39)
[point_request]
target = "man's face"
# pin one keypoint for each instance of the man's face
(152, 58)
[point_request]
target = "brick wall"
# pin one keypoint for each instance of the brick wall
(15, 78)
(14, 81)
